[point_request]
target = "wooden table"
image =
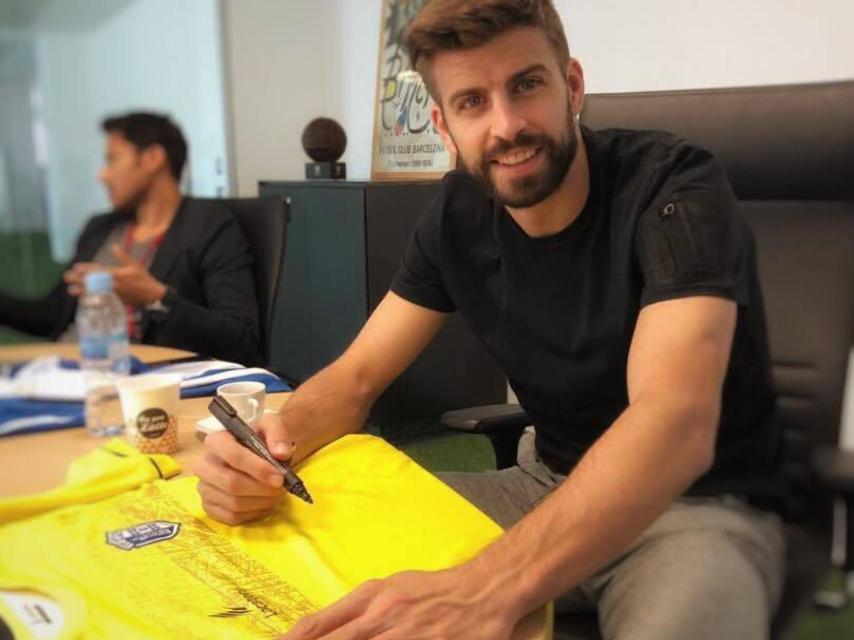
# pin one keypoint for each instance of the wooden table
(36, 462)
(24, 352)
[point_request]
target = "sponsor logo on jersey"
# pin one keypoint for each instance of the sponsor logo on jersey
(260, 605)
(231, 612)
(142, 535)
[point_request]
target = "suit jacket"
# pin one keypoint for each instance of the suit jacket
(204, 257)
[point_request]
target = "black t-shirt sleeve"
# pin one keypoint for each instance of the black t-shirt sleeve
(692, 239)
(419, 278)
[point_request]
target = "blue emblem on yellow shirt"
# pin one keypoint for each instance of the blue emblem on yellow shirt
(144, 534)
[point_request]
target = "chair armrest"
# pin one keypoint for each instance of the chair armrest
(488, 418)
(834, 469)
(501, 423)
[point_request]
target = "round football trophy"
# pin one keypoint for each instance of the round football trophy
(324, 141)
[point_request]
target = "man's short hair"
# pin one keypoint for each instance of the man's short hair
(450, 25)
(143, 129)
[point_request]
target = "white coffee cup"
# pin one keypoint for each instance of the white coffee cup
(247, 398)
(150, 410)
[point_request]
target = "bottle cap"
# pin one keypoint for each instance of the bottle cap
(98, 282)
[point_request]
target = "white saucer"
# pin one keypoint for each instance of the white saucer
(211, 424)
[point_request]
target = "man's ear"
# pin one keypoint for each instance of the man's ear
(153, 158)
(575, 85)
(438, 119)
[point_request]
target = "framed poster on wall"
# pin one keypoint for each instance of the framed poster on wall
(406, 145)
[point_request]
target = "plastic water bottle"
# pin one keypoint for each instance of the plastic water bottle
(102, 328)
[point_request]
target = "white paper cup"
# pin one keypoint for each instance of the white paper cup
(247, 398)
(150, 411)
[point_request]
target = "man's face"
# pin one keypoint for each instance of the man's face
(507, 110)
(127, 173)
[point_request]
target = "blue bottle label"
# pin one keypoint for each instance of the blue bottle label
(94, 347)
(100, 347)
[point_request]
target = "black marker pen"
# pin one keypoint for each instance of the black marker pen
(226, 414)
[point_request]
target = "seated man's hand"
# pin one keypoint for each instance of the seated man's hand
(132, 282)
(75, 275)
(236, 485)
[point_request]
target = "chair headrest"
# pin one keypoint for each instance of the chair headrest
(777, 142)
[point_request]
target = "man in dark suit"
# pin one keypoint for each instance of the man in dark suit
(182, 266)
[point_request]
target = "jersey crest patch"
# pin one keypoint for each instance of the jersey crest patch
(144, 534)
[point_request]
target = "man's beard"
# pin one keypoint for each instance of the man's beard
(520, 193)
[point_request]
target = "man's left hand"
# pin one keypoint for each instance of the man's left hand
(455, 603)
(132, 282)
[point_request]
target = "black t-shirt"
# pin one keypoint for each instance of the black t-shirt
(558, 313)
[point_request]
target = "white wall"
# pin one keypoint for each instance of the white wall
(169, 60)
(155, 55)
(288, 63)
(278, 83)
(280, 77)
(671, 44)
(356, 61)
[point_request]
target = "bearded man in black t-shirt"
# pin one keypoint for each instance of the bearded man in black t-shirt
(613, 278)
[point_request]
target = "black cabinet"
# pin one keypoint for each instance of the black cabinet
(345, 242)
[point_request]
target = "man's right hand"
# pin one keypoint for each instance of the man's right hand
(236, 485)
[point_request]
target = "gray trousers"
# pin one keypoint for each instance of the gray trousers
(708, 568)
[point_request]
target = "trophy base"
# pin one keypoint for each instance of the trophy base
(325, 170)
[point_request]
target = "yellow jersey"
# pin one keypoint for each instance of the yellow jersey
(150, 563)
(103, 472)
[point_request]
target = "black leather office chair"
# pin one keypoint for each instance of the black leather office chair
(789, 152)
(265, 223)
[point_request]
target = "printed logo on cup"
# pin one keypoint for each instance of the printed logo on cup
(152, 423)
